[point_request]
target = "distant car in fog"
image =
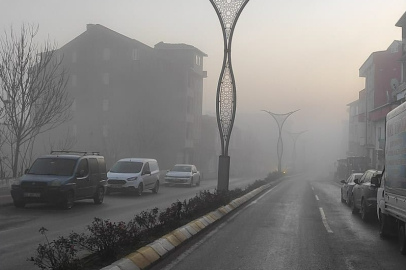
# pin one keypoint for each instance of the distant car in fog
(346, 188)
(183, 174)
(133, 174)
(364, 194)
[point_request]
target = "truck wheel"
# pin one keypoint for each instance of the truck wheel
(156, 187)
(363, 211)
(354, 209)
(68, 202)
(19, 204)
(383, 225)
(99, 196)
(402, 240)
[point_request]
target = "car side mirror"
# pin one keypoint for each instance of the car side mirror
(375, 181)
(342, 181)
(26, 171)
(356, 181)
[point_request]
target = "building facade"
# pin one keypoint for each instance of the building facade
(132, 100)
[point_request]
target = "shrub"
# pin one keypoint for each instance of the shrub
(59, 254)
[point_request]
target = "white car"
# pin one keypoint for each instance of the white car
(184, 174)
(133, 174)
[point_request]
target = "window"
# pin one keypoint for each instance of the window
(106, 78)
(74, 57)
(74, 80)
(146, 168)
(105, 105)
(106, 54)
(83, 165)
(135, 54)
(73, 106)
(126, 167)
(105, 131)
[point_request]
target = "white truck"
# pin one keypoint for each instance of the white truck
(391, 197)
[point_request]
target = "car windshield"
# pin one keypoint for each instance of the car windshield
(53, 166)
(182, 168)
(126, 167)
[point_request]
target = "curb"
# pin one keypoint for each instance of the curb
(152, 252)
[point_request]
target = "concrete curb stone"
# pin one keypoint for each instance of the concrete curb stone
(158, 248)
(165, 244)
(125, 264)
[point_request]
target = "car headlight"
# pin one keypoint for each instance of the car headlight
(132, 178)
(16, 182)
(55, 183)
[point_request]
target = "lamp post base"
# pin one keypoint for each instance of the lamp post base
(223, 173)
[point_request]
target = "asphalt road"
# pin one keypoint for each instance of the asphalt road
(19, 236)
(299, 224)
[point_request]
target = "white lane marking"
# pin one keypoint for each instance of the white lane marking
(204, 239)
(317, 197)
(324, 219)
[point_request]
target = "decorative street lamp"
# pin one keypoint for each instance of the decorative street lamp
(280, 120)
(228, 12)
(295, 136)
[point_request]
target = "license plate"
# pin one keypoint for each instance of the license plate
(32, 195)
(115, 186)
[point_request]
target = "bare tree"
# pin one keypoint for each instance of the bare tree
(33, 84)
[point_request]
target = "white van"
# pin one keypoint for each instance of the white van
(133, 174)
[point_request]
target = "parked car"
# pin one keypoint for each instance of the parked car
(62, 178)
(134, 174)
(364, 194)
(346, 189)
(184, 174)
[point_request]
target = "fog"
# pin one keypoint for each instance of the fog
(287, 55)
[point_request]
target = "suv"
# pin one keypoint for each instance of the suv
(62, 178)
(134, 174)
(364, 194)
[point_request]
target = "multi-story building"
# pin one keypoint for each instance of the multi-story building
(382, 72)
(132, 100)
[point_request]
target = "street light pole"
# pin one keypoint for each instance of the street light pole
(228, 12)
(280, 120)
(295, 136)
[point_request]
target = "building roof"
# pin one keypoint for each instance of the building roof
(353, 102)
(178, 46)
(402, 21)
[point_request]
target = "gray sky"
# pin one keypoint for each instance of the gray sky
(287, 54)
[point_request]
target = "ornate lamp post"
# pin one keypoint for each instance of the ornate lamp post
(280, 120)
(295, 136)
(228, 12)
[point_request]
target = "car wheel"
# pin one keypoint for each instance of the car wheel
(402, 241)
(198, 182)
(140, 189)
(342, 198)
(363, 211)
(68, 203)
(383, 225)
(354, 209)
(348, 201)
(191, 182)
(156, 187)
(19, 204)
(99, 196)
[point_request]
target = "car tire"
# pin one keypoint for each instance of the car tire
(363, 210)
(99, 196)
(69, 200)
(156, 187)
(348, 201)
(140, 189)
(383, 225)
(19, 204)
(198, 182)
(402, 240)
(342, 198)
(191, 182)
(354, 209)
